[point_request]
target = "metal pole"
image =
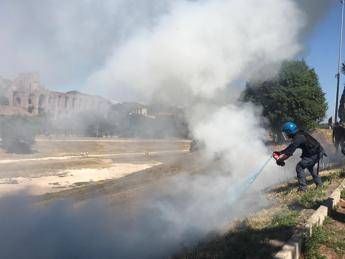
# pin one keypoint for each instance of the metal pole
(339, 61)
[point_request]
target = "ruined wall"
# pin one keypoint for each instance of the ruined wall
(28, 93)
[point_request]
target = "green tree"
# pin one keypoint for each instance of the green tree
(18, 133)
(294, 94)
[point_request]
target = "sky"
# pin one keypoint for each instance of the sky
(48, 33)
(322, 54)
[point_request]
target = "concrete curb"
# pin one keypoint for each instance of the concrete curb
(334, 198)
(293, 247)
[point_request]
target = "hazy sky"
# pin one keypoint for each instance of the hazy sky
(67, 41)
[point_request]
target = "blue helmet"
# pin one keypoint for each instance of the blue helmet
(289, 128)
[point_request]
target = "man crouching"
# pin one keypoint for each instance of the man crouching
(312, 152)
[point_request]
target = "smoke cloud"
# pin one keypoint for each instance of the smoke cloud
(163, 223)
(200, 51)
(200, 47)
(67, 40)
(195, 54)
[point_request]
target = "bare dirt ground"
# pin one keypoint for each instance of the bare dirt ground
(58, 147)
(62, 164)
(132, 187)
(70, 178)
(124, 171)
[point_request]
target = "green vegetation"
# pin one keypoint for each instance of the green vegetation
(18, 133)
(313, 197)
(329, 235)
(342, 194)
(252, 238)
(316, 196)
(294, 94)
(313, 243)
(287, 218)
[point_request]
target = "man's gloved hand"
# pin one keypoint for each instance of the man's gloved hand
(280, 162)
(276, 155)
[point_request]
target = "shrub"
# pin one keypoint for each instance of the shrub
(18, 133)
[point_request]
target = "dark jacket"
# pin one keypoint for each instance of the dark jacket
(304, 141)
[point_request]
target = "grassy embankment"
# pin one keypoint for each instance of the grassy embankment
(328, 241)
(263, 234)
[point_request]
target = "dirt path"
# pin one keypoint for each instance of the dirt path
(64, 164)
(114, 140)
(82, 155)
(58, 147)
(135, 185)
(68, 179)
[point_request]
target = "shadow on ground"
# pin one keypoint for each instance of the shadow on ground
(338, 216)
(244, 242)
(18, 148)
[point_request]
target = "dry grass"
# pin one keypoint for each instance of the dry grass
(262, 235)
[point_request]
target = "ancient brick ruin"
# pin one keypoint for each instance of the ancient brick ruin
(27, 92)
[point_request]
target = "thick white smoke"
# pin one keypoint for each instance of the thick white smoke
(202, 49)
(67, 40)
(191, 53)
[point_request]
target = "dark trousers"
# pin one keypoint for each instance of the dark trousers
(307, 163)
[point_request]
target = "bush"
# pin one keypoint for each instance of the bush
(18, 133)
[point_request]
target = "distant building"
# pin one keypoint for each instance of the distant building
(141, 111)
(27, 92)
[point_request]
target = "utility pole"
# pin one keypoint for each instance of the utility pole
(339, 61)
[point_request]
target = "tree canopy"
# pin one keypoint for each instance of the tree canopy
(294, 94)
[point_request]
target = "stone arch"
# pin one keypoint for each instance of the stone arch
(31, 103)
(41, 100)
(73, 103)
(66, 102)
(41, 103)
(59, 100)
(17, 99)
